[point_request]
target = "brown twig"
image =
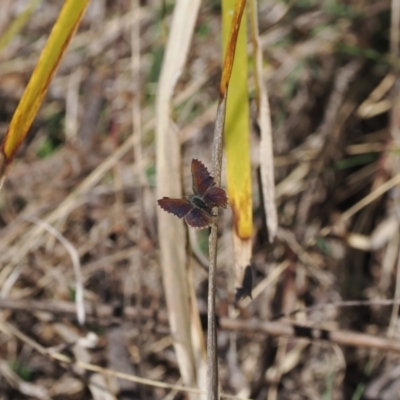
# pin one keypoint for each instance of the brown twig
(278, 329)
(212, 357)
(346, 338)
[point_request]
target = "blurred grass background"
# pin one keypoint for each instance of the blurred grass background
(331, 71)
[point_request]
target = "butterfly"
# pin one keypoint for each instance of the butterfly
(197, 208)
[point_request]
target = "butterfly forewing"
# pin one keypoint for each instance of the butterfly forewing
(178, 207)
(216, 196)
(201, 178)
(198, 218)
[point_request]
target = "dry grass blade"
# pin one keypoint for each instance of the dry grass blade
(172, 233)
(369, 107)
(379, 191)
(264, 121)
(80, 306)
(279, 329)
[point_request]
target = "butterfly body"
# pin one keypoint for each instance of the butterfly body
(198, 202)
(197, 208)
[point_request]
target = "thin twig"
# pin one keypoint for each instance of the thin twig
(212, 357)
(138, 166)
(342, 337)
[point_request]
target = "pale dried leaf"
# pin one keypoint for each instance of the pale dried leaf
(98, 388)
(242, 254)
(264, 121)
(67, 385)
(171, 229)
(388, 263)
(360, 242)
(384, 232)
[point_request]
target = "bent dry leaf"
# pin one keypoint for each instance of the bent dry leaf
(237, 143)
(62, 33)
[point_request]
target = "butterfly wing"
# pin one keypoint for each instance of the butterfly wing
(216, 196)
(201, 178)
(178, 207)
(198, 218)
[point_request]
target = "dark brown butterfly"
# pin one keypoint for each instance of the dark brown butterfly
(197, 208)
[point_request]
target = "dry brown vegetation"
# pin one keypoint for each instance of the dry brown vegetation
(79, 204)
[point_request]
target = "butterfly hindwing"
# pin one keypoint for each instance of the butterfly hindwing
(178, 207)
(216, 196)
(198, 218)
(201, 178)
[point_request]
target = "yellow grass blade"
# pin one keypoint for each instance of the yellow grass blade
(237, 144)
(49, 60)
